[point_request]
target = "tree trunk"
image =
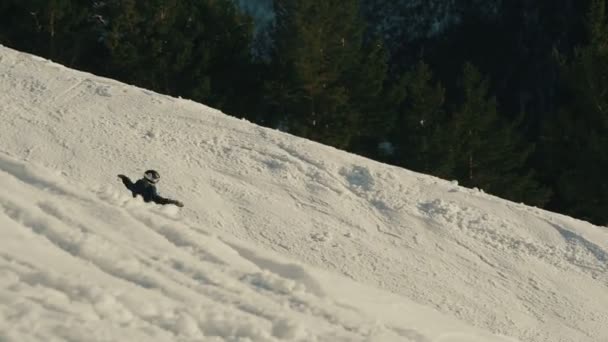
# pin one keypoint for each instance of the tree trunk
(471, 167)
(52, 35)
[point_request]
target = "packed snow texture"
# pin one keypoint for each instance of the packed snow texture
(80, 264)
(281, 239)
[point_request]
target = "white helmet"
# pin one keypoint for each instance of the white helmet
(152, 176)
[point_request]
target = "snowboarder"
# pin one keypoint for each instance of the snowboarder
(146, 188)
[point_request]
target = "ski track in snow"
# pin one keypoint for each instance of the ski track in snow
(158, 273)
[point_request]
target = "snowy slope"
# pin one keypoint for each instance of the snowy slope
(83, 265)
(412, 245)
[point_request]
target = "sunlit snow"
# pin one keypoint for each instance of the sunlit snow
(280, 239)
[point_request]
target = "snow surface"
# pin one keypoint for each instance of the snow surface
(281, 239)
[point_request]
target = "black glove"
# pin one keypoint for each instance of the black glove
(126, 181)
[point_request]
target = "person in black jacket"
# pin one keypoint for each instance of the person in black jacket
(146, 188)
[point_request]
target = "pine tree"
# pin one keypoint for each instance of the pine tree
(144, 42)
(421, 134)
(577, 139)
(489, 153)
(199, 49)
(317, 54)
(376, 99)
(55, 29)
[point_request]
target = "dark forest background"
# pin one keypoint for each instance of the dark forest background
(512, 100)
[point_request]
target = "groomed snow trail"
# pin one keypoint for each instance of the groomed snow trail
(497, 265)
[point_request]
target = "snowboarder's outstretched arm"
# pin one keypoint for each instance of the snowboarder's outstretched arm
(128, 183)
(150, 195)
(156, 198)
